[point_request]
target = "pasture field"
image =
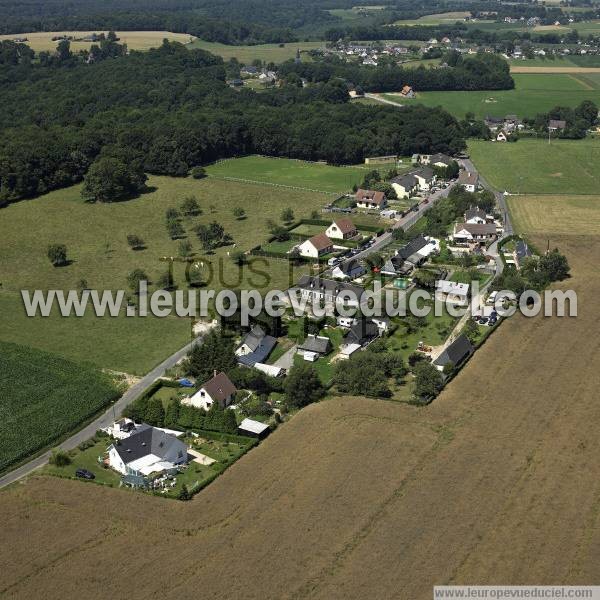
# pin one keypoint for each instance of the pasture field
(436, 19)
(533, 93)
(276, 53)
(495, 469)
(532, 166)
(43, 397)
(135, 40)
(310, 176)
(96, 240)
(583, 62)
(554, 215)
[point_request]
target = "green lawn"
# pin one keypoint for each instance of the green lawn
(44, 397)
(533, 93)
(288, 172)
(95, 236)
(265, 52)
(532, 166)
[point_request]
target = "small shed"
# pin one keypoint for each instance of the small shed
(252, 428)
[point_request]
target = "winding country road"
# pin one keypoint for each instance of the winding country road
(104, 420)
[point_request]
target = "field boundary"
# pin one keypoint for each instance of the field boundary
(279, 185)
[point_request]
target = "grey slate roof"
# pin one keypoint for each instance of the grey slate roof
(412, 247)
(262, 348)
(456, 353)
(147, 440)
(314, 343)
(474, 211)
(361, 332)
(306, 282)
(522, 250)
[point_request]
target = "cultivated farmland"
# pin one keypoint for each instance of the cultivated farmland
(533, 93)
(40, 41)
(556, 215)
(276, 53)
(43, 397)
(532, 166)
(390, 499)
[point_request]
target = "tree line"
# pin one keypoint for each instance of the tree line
(170, 109)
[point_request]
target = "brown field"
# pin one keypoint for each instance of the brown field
(135, 40)
(517, 69)
(556, 214)
(495, 482)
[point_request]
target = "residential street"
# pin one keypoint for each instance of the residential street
(104, 420)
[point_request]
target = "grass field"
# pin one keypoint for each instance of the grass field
(532, 166)
(95, 236)
(533, 93)
(554, 215)
(43, 397)
(266, 52)
(314, 177)
(498, 465)
(436, 19)
(563, 62)
(135, 40)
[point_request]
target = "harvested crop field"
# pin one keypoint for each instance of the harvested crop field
(517, 69)
(556, 214)
(495, 482)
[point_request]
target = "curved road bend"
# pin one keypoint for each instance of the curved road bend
(104, 420)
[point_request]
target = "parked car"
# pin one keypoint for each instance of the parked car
(84, 474)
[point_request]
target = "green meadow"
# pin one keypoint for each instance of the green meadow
(276, 53)
(531, 166)
(533, 93)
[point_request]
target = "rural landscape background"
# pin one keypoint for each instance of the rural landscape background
(253, 110)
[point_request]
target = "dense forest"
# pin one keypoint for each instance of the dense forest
(170, 109)
(479, 72)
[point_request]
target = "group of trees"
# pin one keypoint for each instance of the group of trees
(480, 72)
(167, 110)
(451, 208)
(578, 120)
(367, 373)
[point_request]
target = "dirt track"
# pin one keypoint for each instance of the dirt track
(496, 482)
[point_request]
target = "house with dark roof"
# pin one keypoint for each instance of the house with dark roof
(405, 185)
(440, 160)
(341, 229)
(316, 246)
(317, 344)
(219, 389)
(362, 333)
(411, 255)
(478, 234)
(425, 177)
(317, 289)
(147, 450)
(370, 199)
(522, 252)
(456, 353)
(255, 347)
(349, 269)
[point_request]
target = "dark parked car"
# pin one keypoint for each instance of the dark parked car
(85, 474)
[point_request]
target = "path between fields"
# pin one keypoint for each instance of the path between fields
(379, 98)
(281, 185)
(104, 420)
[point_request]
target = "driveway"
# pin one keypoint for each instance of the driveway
(104, 420)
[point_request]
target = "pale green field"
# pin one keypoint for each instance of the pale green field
(135, 40)
(533, 93)
(436, 19)
(556, 215)
(95, 236)
(266, 52)
(532, 166)
(289, 172)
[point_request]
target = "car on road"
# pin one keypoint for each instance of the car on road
(84, 474)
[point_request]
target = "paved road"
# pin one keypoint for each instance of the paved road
(106, 419)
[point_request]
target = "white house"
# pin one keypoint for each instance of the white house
(474, 233)
(218, 389)
(469, 181)
(425, 176)
(474, 214)
(341, 229)
(452, 292)
(370, 199)
(405, 185)
(147, 450)
(316, 246)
